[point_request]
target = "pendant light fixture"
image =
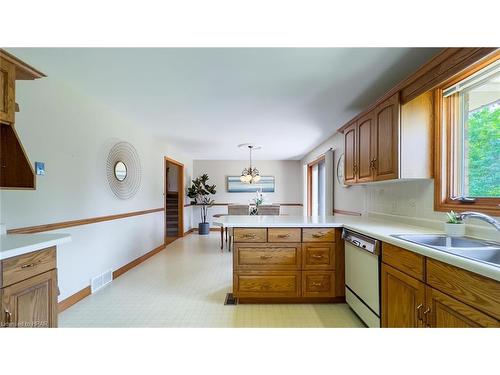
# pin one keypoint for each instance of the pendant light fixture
(250, 175)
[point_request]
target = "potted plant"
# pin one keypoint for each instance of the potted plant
(200, 192)
(454, 227)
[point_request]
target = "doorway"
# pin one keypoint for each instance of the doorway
(174, 200)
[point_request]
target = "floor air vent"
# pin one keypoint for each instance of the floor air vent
(100, 281)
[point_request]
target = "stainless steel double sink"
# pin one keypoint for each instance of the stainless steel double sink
(471, 248)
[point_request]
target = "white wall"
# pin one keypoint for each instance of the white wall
(73, 134)
(287, 175)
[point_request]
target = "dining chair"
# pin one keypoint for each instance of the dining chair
(269, 209)
(236, 209)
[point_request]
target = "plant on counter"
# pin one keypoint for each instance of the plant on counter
(200, 192)
(453, 218)
(454, 227)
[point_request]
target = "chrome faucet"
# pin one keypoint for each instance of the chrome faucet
(476, 215)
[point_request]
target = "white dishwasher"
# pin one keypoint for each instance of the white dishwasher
(362, 276)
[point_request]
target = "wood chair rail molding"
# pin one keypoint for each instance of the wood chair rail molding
(76, 223)
(443, 66)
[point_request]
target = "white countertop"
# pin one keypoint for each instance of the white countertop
(12, 245)
(376, 228)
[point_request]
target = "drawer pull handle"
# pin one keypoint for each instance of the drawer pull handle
(266, 256)
(247, 235)
(29, 265)
(318, 235)
(283, 235)
(316, 284)
(317, 256)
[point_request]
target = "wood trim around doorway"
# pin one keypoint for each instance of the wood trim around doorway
(180, 204)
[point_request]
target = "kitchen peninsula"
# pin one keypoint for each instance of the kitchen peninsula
(297, 259)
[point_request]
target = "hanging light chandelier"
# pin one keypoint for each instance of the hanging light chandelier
(250, 175)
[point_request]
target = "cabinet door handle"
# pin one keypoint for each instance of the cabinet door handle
(426, 317)
(317, 256)
(8, 317)
(419, 313)
(374, 163)
(316, 284)
(354, 168)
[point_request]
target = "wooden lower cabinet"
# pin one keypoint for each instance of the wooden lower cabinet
(403, 299)
(293, 265)
(408, 302)
(318, 284)
(447, 312)
(264, 284)
(31, 302)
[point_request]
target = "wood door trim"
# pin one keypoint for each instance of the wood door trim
(180, 197)
(76, 223)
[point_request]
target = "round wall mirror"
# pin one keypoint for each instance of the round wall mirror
(120, 171)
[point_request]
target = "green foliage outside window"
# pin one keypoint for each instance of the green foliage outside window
(483, 143)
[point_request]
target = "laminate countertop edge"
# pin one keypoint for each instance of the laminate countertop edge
(379, 229)
(12, 245)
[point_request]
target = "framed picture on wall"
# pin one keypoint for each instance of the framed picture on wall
(266, 184)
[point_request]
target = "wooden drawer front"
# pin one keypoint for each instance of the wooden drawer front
(318, 284)
(470, 288)
(318, 235)
(284, 235)
(250, 234)
(267, 256)
(28, 265)
(319, 256)
(267, 284)
(406, 261)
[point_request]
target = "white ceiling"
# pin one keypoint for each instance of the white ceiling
(209, 100)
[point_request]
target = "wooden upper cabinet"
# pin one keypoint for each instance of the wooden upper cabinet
(7, 92)
(350, 154)
(364, 148)
(403, 299)
(385, 140)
